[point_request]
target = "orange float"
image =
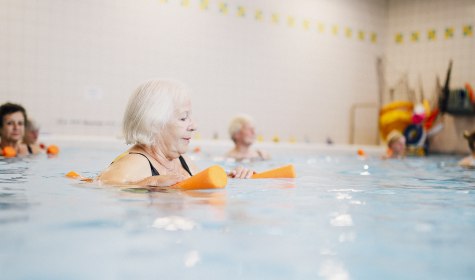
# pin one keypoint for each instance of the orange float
(213, 177)
(52, 150)
(287, 171)
(9, 152)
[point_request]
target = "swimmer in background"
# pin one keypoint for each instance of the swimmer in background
(396, 145)
(12, 129)
(243, 134)
(159, 125)
(469, 161)
(32, 131)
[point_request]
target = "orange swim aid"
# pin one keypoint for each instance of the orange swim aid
(213, 177)
(9, 152)
(361, 152)
(287, 171)
(72, 175)
(52, 150)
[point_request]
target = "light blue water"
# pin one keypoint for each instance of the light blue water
(342, 218)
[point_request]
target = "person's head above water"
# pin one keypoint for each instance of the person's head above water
(242, 130)
(158, 115)
(12, 115)
(31, 132)
(13, 119)
(396, 144)
(243, 133)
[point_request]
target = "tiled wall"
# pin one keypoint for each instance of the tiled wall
(297, 66)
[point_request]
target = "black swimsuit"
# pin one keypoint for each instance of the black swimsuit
(30, 151)
(155, 172)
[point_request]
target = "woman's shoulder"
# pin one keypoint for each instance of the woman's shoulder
(35, 148)
(263, 155)
(127, 167)
(131, 160)
(231, 153)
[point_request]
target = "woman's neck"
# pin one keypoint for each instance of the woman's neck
(12, 143)
(242, 149)
(158, 154)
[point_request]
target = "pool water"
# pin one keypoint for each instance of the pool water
(343, 218)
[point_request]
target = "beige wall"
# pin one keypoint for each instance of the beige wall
(73, 64)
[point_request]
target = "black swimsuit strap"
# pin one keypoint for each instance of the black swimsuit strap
(185, 166)
(152, 169)
(30, 151)
(155, 172)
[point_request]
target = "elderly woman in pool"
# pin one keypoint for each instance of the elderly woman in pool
(158, 122)
(12, 129)
(243, 134)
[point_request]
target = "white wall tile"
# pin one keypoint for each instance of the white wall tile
(295, 82)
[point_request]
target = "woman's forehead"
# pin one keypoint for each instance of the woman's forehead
(16, 115)
(184, 106)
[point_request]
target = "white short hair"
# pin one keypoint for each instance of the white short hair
(31, 125)
(150, 108)
(237, 123)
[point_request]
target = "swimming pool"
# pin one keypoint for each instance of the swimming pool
(342, 218)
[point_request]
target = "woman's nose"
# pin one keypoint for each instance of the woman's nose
(192, 126)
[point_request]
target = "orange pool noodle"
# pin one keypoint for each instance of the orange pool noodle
(72, 174)
(287, 171)
(52, 150)
(9, 152)
(211, 178)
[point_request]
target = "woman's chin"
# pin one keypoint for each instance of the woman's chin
(183, 149)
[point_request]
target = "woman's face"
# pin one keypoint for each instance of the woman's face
(247, 134)
(177, 134)
(398, 147)
(13, 128)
